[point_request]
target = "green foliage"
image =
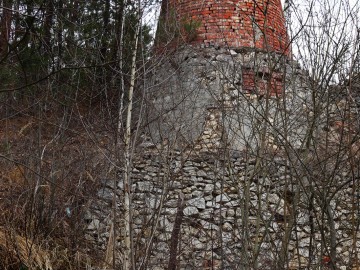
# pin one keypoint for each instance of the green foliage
(191, 27)
(23, 267)
(168, 28)
(171, 29)
(70, 49)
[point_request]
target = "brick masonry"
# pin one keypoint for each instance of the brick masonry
(251, 24)
(241, 25)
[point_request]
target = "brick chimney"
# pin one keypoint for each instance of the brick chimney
(255, 24)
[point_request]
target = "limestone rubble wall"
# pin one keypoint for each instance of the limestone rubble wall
(240, 213)
(242, 89)
(255, 197)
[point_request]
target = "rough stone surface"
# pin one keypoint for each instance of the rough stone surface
(203, 96)
(229, 128)
(216, 224)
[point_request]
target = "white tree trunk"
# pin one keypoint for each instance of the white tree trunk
(127, 153)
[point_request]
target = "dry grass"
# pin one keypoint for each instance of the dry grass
(42, 175)
(20, 250)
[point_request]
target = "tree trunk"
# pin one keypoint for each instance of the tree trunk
(127, 175)
(5, 28)
(174, 240)
(48, 25)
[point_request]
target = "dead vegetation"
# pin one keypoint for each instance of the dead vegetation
(50, 170)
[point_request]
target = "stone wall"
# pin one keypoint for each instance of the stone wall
(237, 87)
(255, 196)
(229, 133)
(241, 212)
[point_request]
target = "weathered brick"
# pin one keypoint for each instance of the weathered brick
(234, 16)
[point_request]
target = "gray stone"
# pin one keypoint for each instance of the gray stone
(164, 237)
(232, 52)
(197, 202)
(190, 211)
(304, 242)
(206, 214)
(94, 225)
(272, 198)
(200, 184)
(212, 204)
(162, 247)
(171, 203)
(227, 227)
(208, 188)
(120, 185)
(209, 226)
(223, 58)
(169, 211)
(138, 221)
(152, 202)
(197, 244)
(166, 224)
(230, 213)
(201, 173)
(187, 190)
(106, 194)
(222, 198)
(233, 203)
(304, 252)
(197, 194)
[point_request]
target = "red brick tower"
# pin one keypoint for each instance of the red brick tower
(256, 24)
(222, 56)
